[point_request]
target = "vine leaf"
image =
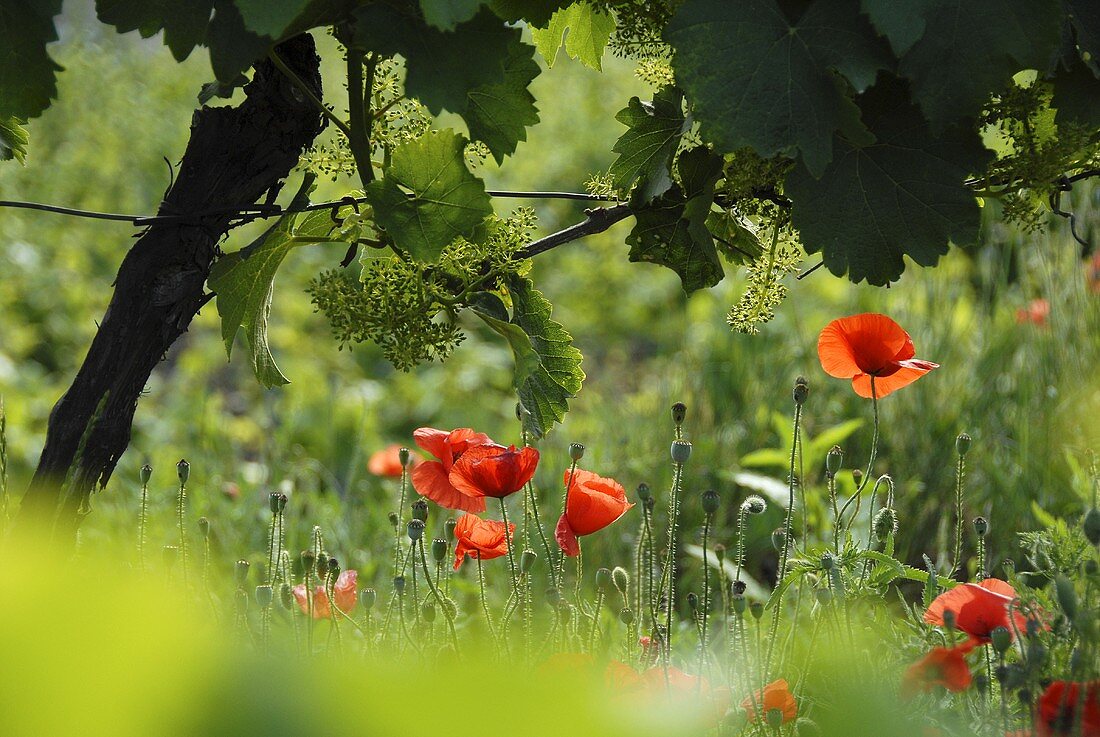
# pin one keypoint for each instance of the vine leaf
(1077, 96)
(1085, 17)
(28, 76)
(756, 80)
(498, 114)
(446, 14)
(13, 140)
(672, 230)
(901, 23)
(902, 195)
(646, 149)
(233, 48)
(184, 22)
(970, 47)
(537, 13)
(585, 30)
(428, 197)
(271, 18)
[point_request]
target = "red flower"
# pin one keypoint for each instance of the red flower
(1064, 705)
(1092, 273)
(493, 470)
(483, 538)
(344, 593)
(387, 462)
(591, 504)
(430, 478)
(776, 695)
(1036, 313)
(943, 666)
(682, 690)
(979, 608)
(861, 346)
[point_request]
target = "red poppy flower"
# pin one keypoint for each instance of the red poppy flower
(861, 346)
(387, 462)
(682, 690)
(493, 470)
(1064, 705)
(591, 504)
(1036, 313)
(483, 538)
(979, 608)
(776, 695)
(430, 478)
(943, 666)
(344, 593)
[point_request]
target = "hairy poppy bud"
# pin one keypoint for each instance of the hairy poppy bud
(886, 523)
(333, 568)
(308, 559)
(527, 561)
(710, 502)
(1092, 526)
(962, 444)
(981, 526)
(439, 550)
(834, 460)
(553, 596)
(693, 601)
(857, 476)
(322, 565)
(603, 580)
(720, 553)
(420, 510)
(399, 584)
(801, 390)
(1001, 639)
(681, 451)
(679, 412)
(626, 616)
(242, 571)
(576, 451)
(416, 529)
(367, 597)
(145, 473)
(1067, 596)
(754, 504)
(183, 470)
(427, 611)
(394, 519)
(449, 528)
(756, 609)
(264, 595)
(286, 597)
(204, 527)
(644, 492)
(620, 578)
(779, 539)
(738, 587)
(277, 502)
(403, 457)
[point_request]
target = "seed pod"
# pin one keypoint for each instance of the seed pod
(857, 477)
(420, 510)
(774, 717)
(626, 616)
(204, 527)
(738, 587)
(679, 413)
(603, 580)
(367, 598)
(644, 492)
(1001, 639)
(416, 529)
(404, 457)
(576, 451)
(834, 460)
(264, 594)
(527, 561)
(449, 528)
(824, 596)
(145, 473)
(710, 502)
(756, 609)
(394, 519)
(828, 561)
(739, 603)
(553, 596)
(681, 451)
(183, 471)
(720, 553)
(242, 572)
(962, 444)
(399, 584)
(333, 569)
(693, 601)
(1092, 526)
(1067, 596)
(981, 526)
(801, 390)
(439, 550)
(427, 611)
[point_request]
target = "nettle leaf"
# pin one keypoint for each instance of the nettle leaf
(428, 197)
(442, 67)
(584, 28)
(970, 47)
(28, 76)
(446, 14)
(902, 195)
(498, 114)
(13, 140)
(754, 79)
(672, 230)
(646, 149)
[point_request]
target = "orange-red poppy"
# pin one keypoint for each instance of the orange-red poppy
(493, 470)
(776, 695)
(868, 345)
(943, 666)
(481, 538)
(591, 504)
(344, 593)
(979, 608)
(674, 688)
(1065, 705)
(387, 462)
(430, 478)
(1036, 312)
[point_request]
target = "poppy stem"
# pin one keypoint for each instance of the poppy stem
(511, 567)
(481, 591)
(143, 516)
(530, 491)
(444, 604)
(960, 470)
(564, 499)
(669, 572)
(594, 630)
(706, 596)
(181, 507)
(788, 523)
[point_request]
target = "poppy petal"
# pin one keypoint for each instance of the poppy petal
(430, 480)
(835, 353)
(567, 539)
(433, 441)
(908, 372)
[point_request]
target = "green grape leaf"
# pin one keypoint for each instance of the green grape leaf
(901, 23)
(646, 149)
(584, 28)
(270, 17)
(442, 67)
(13, 140)
(185, 23)
(446, 14)
(233, 48)
(754, 79)
(1085, 18)
(28, 76)
(498, 114)
(428, 197)
(971, 48)
(1077, 96)
(537, 13)
(146, 16)
(734, 236)
(672, 230)
(902, 195)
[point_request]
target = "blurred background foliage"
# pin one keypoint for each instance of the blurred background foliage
(1027, 390)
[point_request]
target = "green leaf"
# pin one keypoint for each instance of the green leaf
(446, 14)
(441, 67)
(646, 149)
(185, 23)
(734, 236)
(971, 49)
(428, 197)
(233, 48)
(13, 140)
(536, 13)
(1077, 97)
(766, 457)
(270, 17)
(672, 230)
(902, 23)
(902, 195)
(754, 79)
(585, 30)
(28, 76)
(1085, 18)
(498, 114)
(826, 439)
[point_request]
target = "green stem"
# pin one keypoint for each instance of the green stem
(444, 604)
(787, 527)
(960, 469)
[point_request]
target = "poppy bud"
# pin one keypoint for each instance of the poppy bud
(204, 527)
(779, 539)
(145, 473)
(576, 451)
(620, 578)
(553, 596)
(693, 601)
(775, 716)
(308, 559)
(169, 552)
(394, 519)
(756, 609)
(183, 471)
(950, 619)
(427, 611)
(439, 550)
(801, 390)
(644, 492)
(679, 412)
(264, 594)
(322, 565)
(886, 523)
(720, 553)
(416, 529)
(367, 597)
(399, 584)
(739, 604)
(828, 561)
(738, 587)
(857, 476)
(286, 597)
(754, 504)
(981, 526)
(1092, 526)
(527, 561)
(710, 502)
(681, 451)
(1001, 639)
(626, 616)
(962, 444)
(333, 568)
(403, 457)
(420, 510)
(1067, 596)
(834, 460)
(242, 572)
(603, 580)
(824, 596)
(449, 528)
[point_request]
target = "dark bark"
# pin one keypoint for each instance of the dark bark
(234, 156)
